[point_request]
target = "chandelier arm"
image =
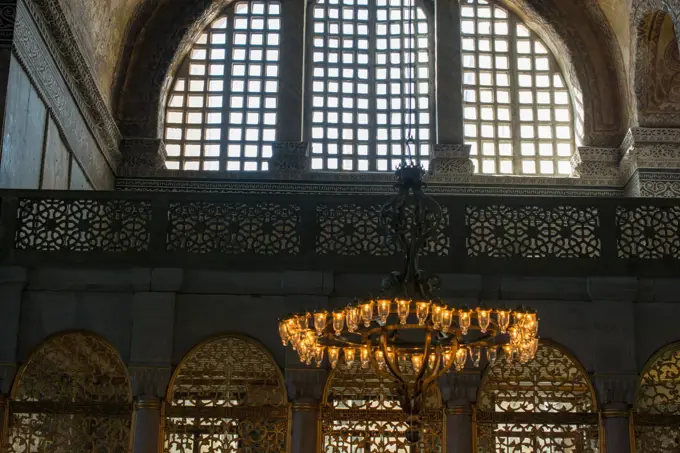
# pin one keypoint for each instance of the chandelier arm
(393, 366)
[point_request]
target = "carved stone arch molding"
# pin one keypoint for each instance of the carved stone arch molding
(655, 27)
(579, 34)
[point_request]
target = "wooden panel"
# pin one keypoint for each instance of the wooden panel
(55, 166)
(24, 131)
(78, 179)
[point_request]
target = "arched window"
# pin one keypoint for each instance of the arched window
(361, 414)
(657, 410)
(518, 114)
(222, 107)
(546, 404)
(227, 395)
(362, 106)
(72, 395)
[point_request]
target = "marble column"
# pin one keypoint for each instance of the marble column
(449, 71)
(616, 420)
(459, 392)
(305, 389)
(459, 427)
(289, 127)
(147, 425)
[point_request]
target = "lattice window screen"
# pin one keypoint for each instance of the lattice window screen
(362, 56)
(222, 107)
(518, 112)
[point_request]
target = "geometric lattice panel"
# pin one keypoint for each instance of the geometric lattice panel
(657, 416)
(648, 232)
(83, 225)
(351, 230)
(234, 228)
(499, 231)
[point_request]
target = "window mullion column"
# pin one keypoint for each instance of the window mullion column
(292, 76)
(226, 93)
(514, 97)
(372, 88)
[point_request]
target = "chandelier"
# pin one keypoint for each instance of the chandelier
(406, 331)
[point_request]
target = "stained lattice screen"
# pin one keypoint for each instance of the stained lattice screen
(517, 109)
(657, 415)
(362, 103)
(72, 395)
(545, 405)
(222, 107)
(361, 414)
(227, 395)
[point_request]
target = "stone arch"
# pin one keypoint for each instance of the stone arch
(656, 67)
(364, 401)
(657, 404)
(76, 385)
(228, 395)
(594, 64)
(546, 401)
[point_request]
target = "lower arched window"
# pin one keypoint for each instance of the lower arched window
(227, 395)
(545, 405)
(361, 414)
(657, 409)
(72, 395)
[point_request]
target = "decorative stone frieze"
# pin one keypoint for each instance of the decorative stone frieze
(305, 385)
(149, 380)
(650, 165)
(290, 158)
(598, 166)
(449, 161)
(142, 156)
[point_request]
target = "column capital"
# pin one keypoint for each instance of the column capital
(149, 381)
(597, 165)
(290, 158)
(615, 392)
(449, 160)
(141, 156)
(459, 390)
(305, 386)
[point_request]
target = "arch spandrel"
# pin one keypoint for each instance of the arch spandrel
(227, 395)
(73, 382)
(657, 407)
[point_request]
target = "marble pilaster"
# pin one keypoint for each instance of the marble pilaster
(305, 391)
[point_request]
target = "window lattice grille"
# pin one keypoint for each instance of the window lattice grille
(517, 109)
(362, 56)
(222, 107)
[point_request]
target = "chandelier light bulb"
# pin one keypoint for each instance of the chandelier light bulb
(447, 355)
(365, 357)
(475, 356)
(390, 355)
(483, 319)
(461, 357)
(302, 322)
(320, 318)
(431, 361)
(417, 362)
(318, 354)
(283, 333)
(403, 308)
(492, 354)
(338, 322)
(350, 353)
(333, 356)
(464, 321)
(384, 310)
(503, 320)
(437, 314)
(447, 319)
(508, 350)
(353, 318)
(422, 310)
(367, 313)
(380, 359)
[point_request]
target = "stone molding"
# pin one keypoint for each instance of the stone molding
(305, 385)
(64, 104)
(599, 166)
(149, 381)
(449, 161)
(141, 155)
(62, 45)
(147, 403)
(459, 389)
(650, 157)
(615, 390)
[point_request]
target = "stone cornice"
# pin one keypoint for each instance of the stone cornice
(62, 45)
